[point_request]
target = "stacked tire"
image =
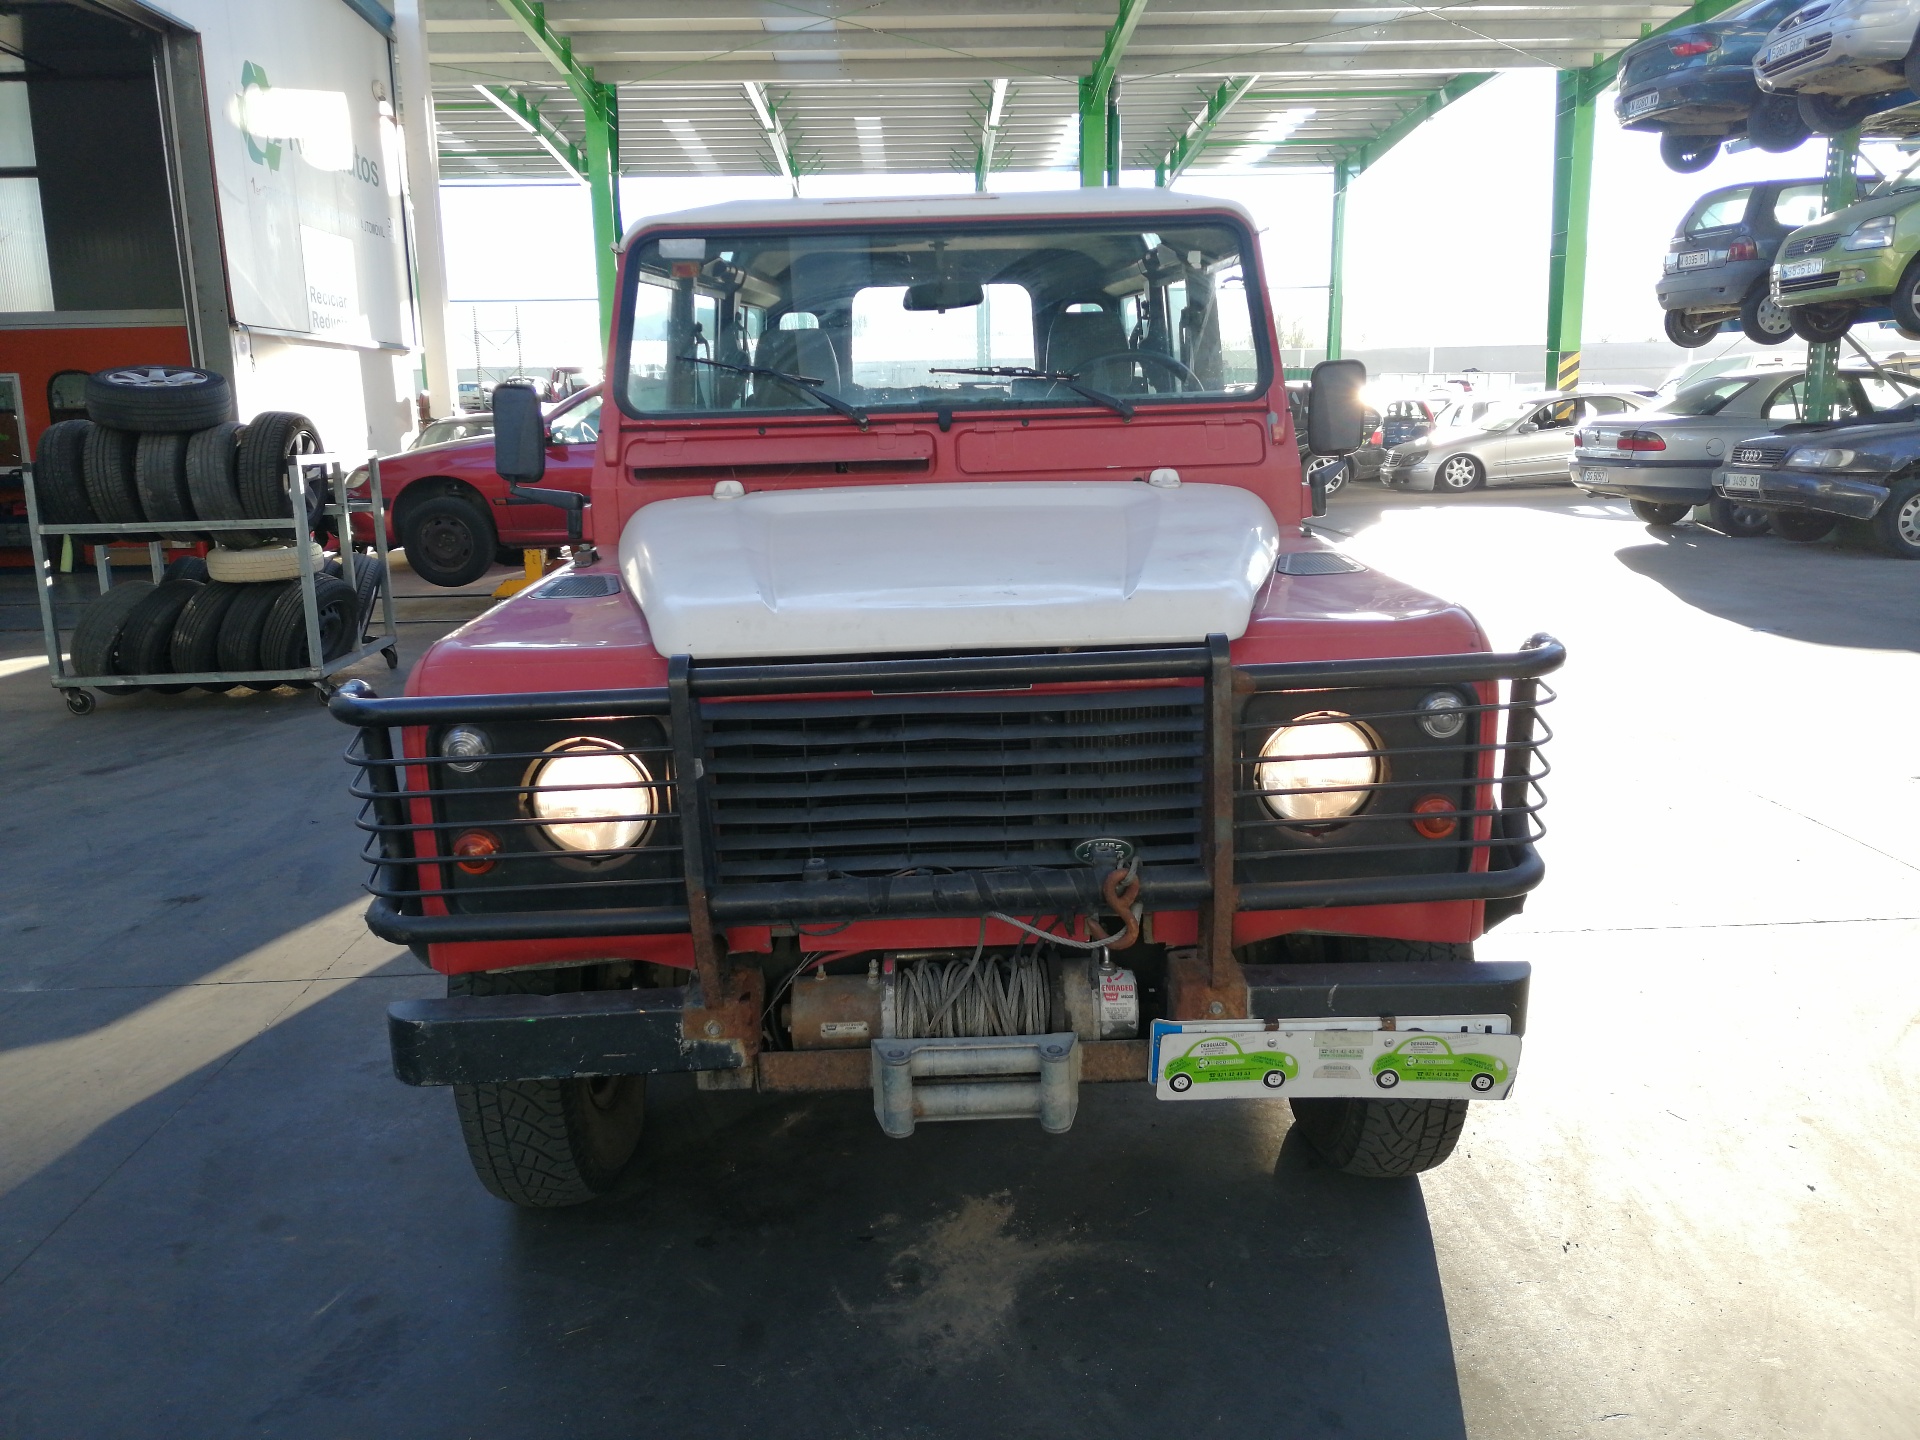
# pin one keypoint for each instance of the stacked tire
(159, 446)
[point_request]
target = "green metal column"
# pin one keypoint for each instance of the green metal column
(1567, 260)
(1093, 134)
(1113, 134)
(603, 185)
(1823, 361)
(1337, 258)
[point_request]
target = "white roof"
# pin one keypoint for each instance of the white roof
(1034, 204)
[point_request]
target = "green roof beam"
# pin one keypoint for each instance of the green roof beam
(525, 113)
(1096, 89)
(1364, 156)
(1199, 131)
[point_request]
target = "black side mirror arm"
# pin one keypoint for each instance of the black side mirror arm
(571, 501)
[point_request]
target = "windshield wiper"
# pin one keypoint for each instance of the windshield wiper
(806, 384)
(1068, 378)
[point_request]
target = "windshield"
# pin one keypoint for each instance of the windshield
(885, 318)
(1506, 414)
(441, 432)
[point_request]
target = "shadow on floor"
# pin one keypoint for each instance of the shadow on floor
(302, 1251)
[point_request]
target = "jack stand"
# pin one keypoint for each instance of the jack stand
(537, 563)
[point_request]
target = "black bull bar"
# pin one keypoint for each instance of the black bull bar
(389, 788)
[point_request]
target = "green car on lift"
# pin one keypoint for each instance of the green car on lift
(1865, 254)
(1428, 1057)
(1222, 1059)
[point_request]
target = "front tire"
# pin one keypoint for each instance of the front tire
(544, 1144)
(1385, 1139)
(1896, 528)
(449, 541)
(1651, 512)
(1689, 153)
(1802, 525)
(1737, 521)
(1762, 319)
(1822, 324)
(1905, 300)
(1684, 333)
(1458, 474)
(1834, 115)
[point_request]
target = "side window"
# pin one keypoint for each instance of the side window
(1557, 416)
(1721, 210)
(1606, 405)
(1798, 205)
(580, 425)
(1884, 394)
(1790, 400)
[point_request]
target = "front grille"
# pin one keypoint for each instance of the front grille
(1759, 454)
(821, 789)
(1799, 57)
(1810, 282)
(1808, 245)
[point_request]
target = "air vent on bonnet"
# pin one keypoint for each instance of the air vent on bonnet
(578, 587)
(1316, 562)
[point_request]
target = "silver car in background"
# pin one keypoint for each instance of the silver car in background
(1515, 441)
(1662, 460)
(1844, 59)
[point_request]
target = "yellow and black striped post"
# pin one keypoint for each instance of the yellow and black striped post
(1567, 370)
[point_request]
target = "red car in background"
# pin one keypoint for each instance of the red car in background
(448, 509)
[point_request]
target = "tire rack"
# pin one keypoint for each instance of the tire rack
(296, 521)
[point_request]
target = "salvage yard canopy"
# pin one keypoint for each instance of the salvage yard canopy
(753, 87)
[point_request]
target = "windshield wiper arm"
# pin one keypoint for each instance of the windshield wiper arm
(1068, 378)
(806, 384)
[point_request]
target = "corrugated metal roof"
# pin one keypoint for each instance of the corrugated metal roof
(904, 86)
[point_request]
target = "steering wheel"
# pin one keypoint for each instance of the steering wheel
(1179, 367)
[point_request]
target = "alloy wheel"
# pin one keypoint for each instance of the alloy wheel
(1907, 522)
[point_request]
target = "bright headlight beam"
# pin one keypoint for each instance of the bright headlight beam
(1315, 769)
(593, 797)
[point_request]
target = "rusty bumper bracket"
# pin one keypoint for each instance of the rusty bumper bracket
(497, 1039)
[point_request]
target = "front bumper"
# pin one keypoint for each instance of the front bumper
(1848, 496)
(1856, 276)
(1416, 476)
(1843, 59)
(1661, 482)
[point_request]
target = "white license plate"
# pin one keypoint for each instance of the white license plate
(1694, 259)
(1790, 45)
(1593, 475)
(1736, 480)
(1802, 267)
(1641, 105)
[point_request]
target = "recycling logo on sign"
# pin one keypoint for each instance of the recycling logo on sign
(260, 149)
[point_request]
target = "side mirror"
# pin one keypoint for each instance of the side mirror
(1336, 418)
(519, 434)
(1525, 427)
(1318, 480)
(520, 441)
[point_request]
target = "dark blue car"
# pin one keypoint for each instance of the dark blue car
(1694, 87)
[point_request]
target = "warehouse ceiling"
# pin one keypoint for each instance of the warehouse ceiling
(721, 87)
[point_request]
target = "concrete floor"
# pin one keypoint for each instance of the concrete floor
(221, 1216)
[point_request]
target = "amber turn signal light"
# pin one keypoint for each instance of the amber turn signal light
(477, 847)
(1433, 816)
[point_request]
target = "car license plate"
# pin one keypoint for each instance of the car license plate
(1738, 480)
(1800, 268)
(1425, 1057)
(1788, 45)
(1593, 475)
(1694, 259)
(1641, 104)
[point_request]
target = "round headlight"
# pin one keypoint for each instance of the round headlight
(1312, 770)
(592, 797)
(465, 746)
(1443, 715)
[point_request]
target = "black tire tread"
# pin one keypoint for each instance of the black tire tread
(283, 639)
(195, 646)
(108, 468)
(160, 475)
(213, 457)
(59, 474)
(96, 637)
(261, 468)
(237, 647)
(146, 640)
(369, 574)
(524, 1138)
(485, 541)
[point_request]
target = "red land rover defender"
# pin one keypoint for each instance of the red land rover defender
(950, 701)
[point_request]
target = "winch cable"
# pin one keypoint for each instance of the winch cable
(935, 999)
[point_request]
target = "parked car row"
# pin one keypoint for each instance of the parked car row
(1740, 443)
(1775, 71)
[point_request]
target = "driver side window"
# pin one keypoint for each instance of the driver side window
(579, 426)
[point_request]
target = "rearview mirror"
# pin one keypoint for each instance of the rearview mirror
(944, 295)
(1336, 418)
(519, 434)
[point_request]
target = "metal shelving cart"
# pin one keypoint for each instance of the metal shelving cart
(297, 521)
